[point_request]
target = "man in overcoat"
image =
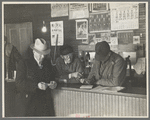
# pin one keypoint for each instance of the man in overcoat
(34, 81)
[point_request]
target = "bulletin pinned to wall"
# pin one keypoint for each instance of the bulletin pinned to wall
(124, 16)
(91, 39)
(113, 38)
(58, 10)
(98, 7)
(78, 10)
(99, 22)
(57, 35)
(106, 37)
(125, 37)
(136, 39)
(82, 29)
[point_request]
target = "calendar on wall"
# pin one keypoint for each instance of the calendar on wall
(124, 16)
(125, 37)
(99, 22)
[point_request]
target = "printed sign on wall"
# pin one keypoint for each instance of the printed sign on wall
(58, 10)
(124, 16)
(82, 29)
(99, 22)
(78, 10)
(57, 35)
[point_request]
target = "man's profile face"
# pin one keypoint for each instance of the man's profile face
(68, 58)
(38, 56)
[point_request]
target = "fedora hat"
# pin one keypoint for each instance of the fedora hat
(40, 46)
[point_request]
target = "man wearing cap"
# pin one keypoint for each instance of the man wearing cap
(69, 67)
(34, 81)
(109, 68)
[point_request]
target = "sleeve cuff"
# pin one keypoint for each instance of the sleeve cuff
(69, 76)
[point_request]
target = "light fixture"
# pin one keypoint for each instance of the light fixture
(44, 29)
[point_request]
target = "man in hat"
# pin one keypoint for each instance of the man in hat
(109, 68)
(69, 67)
(34, 81)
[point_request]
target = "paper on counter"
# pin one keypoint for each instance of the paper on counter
(86, 87)
(108, 89)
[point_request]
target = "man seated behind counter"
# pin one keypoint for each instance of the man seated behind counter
(69, 67)
(109, 68)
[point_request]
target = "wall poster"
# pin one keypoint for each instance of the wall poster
(124, 16)
(105, 37)
(113, 38)
(97, 7)
(57, 35)
(125, 37)
(82, 29)
(58, 10)
(78, 10)
(136, 39)
(99, 22)
(92, 39)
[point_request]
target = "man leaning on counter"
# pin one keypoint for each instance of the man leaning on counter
(69, 67)
(109, 68)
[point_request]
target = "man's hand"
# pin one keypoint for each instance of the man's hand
(85, 81)
(42, 85)
(52, 85)
(76, 75)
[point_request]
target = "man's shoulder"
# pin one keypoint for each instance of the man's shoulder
(116, 57)
(59, 59)
(76, 59)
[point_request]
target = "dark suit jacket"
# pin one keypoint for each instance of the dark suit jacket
(30, 100)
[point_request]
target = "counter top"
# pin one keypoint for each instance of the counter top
(131, 92)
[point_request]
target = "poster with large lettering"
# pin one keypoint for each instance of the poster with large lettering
(58, 10)
(124, 16)
(57, 35)
(78, 10)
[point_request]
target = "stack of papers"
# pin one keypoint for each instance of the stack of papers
(86, 87)
(108, 89)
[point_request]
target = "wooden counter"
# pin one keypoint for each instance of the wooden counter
(69, 100)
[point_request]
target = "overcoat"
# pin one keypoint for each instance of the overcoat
(30, 100)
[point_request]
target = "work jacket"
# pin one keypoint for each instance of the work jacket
(111, 72)
(65, 69)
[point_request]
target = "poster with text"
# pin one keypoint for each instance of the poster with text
(92, 39)
(124, 16)
(58, 10)
(78, 10)
(136, 39)
(99, 22)
(57, 35)
(97, 7)
(82, 29)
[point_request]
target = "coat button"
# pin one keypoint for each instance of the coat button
(26, 95)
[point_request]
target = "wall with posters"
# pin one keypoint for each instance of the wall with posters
(37, 13)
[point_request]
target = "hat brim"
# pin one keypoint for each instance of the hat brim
(100, 57)
(44, 52)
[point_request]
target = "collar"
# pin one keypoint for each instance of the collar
(39, 64)
(107, 57)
